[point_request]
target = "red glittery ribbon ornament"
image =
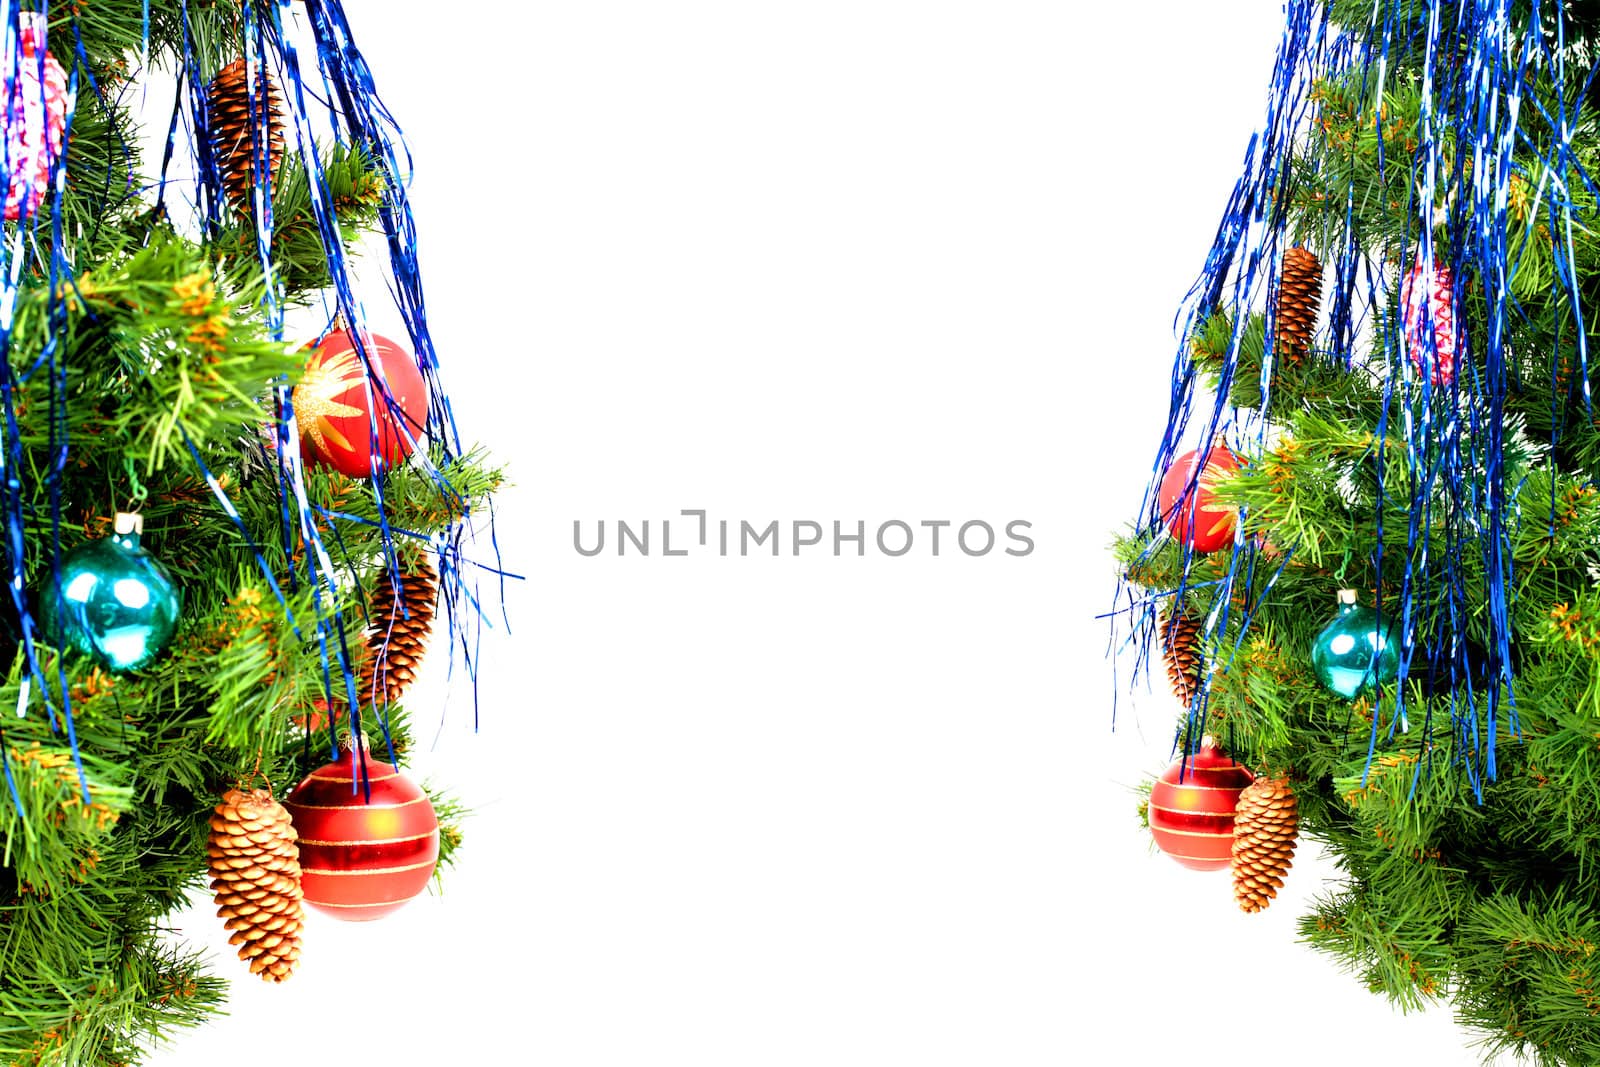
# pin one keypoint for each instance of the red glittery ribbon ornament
(1427, 310)
(36, 124)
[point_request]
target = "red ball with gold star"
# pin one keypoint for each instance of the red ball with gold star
(1191, 807)
(1194, 517)
(361, 856)
(341, 408)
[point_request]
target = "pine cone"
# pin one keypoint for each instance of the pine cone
(1299, 298)
(1265, 821)
(255, 873)
(234, 137)
(399, 634)
(1180, 648)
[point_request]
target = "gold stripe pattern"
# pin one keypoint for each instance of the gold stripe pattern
(1208, 788)
(357, 807)
(1192, 811)
(1191, 833)
(348, 781)
(375, 870)
(374, 841)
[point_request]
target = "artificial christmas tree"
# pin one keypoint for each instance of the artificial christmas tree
(158, 316)
(1425, 447)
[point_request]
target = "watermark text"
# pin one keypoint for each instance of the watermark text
(693, 532)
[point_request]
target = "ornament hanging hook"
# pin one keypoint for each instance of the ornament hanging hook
(1342, 570)
(249, 781)
(139, 493)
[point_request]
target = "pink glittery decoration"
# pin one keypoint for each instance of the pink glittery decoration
(1430, 321)
(36, 125)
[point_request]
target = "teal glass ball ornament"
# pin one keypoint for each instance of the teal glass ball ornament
(116, 602)
(1357, 651)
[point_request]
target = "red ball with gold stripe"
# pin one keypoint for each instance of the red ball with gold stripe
(340, 407)
(1191, 807)
(362, 856)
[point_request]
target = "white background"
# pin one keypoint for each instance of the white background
(832, 260)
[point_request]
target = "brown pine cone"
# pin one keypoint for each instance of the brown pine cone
(1299, 298)
(1180, 648)
(236, 133)
(1265, 821)
(399, 634)
(255, 873)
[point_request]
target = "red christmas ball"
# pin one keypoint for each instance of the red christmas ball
(337, 414)
(1192, 819)
(362, 858)
(1196, 519)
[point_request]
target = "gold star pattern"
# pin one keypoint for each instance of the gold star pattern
(327, 376)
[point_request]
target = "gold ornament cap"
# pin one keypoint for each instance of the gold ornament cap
(128, 522)
(1347, 596)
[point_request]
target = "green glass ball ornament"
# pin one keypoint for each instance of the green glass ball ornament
(116, 602)
(1357, 651)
